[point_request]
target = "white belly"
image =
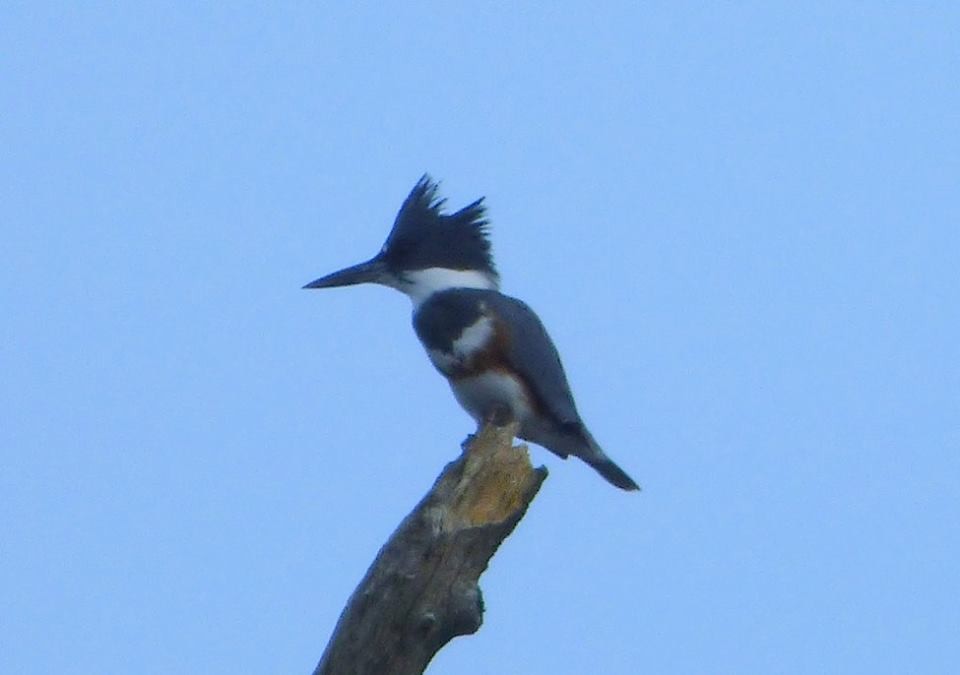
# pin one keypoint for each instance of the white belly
(480, 395)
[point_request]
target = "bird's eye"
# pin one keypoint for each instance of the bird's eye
(399, 250)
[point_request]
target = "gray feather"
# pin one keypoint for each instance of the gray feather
(533, 355)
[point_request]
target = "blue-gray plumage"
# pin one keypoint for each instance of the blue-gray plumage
(493, 349)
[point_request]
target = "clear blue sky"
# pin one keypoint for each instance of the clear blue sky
(740, 222)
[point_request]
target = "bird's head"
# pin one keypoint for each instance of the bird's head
(427, 250)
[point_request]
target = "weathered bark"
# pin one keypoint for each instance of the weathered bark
(422, 591)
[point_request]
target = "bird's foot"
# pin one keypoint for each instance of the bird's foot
(499, 416)
(467, 442)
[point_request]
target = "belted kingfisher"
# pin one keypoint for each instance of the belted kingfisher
(492, 348)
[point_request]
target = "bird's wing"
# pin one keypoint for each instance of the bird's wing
(532, 354)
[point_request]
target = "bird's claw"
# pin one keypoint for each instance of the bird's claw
(500, 416)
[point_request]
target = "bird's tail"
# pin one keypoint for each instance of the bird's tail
(605, 466)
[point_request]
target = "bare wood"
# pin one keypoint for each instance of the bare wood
(421, 590)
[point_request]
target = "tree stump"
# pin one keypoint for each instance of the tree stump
(422, 589)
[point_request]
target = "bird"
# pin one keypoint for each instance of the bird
(493, 349)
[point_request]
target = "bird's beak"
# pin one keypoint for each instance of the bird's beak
(370, 272)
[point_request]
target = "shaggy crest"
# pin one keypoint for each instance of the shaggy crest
(424, 236)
